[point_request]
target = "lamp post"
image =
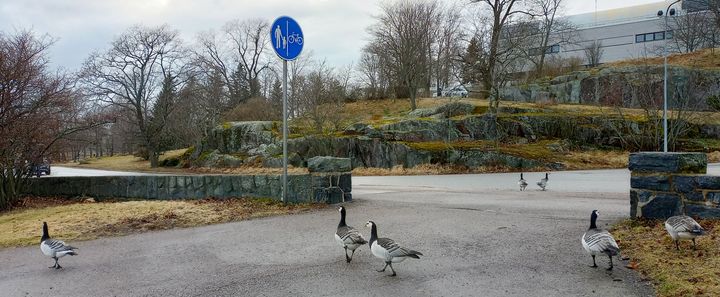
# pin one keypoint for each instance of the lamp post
(668, 12)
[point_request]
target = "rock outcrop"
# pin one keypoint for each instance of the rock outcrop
(630, 86)
(441, 136)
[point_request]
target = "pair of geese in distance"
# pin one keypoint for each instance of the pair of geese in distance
(597, 241)
(542, 183)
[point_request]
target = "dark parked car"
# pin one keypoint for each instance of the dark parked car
(41, 169)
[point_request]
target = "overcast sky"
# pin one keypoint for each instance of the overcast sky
(334, 29)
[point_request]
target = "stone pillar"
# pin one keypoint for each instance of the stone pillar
(668, 184)
(331, 179)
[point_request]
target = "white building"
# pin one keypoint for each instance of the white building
(625, 33)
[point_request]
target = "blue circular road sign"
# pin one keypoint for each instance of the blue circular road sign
(287, 38)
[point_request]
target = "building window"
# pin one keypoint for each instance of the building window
(654, 36)
(552, 49)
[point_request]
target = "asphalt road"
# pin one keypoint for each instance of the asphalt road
(480, 237)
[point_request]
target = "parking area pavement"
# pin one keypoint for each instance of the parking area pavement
(479, 234)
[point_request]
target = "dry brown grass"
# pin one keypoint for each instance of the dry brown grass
(713, 157)
(673, 273)
(706, 58)
(74, 221)
(596, 159)
(248, 170)
(127, 163)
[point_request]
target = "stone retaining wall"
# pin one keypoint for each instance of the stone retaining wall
(325, 184)
(668, 184)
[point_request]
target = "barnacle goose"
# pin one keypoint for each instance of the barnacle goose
(347, 237)
(683, 227)
(598, 241)
(54, 248)
(522, 183)
(543, 182)
(388, 250)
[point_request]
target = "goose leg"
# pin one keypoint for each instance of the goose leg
(677, 245)
(594, 265)
(393, 269)
(694, 245)
(54, 266)
(611, 263)
(386, 265)
(351, 255)
(347, 259)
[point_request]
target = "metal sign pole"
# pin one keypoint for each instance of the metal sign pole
(287, 46)
(285, 133)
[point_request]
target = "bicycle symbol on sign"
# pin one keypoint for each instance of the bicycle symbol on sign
(295, 38)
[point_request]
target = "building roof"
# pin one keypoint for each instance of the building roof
(619, 15)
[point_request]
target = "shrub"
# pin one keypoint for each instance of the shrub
(254, 109)
(714, 102)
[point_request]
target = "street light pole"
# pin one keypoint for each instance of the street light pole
(665, 79)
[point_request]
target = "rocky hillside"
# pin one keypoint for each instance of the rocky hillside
(627, 86)
(455, 134)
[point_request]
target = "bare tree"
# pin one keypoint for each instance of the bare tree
(691, 31)
(447, 47)
(402, 32)
(140, 71)
(546, 28)
(501, 14)
(375, 73)
(237, 56)
(37, 109)
(250, 39)
(593, 53)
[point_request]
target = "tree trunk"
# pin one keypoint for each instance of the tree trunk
(154, 156)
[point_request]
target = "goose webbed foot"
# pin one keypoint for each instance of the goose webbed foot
(594, 264)
(56, 266)
(383, 270)
(611, 264)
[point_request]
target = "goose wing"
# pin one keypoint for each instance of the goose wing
(350, 235)
(58, 246)
(601, 241)
(684, 224)
(394, 250)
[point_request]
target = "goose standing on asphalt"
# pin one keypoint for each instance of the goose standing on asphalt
(522, 183)
(388, 250)
(683, 227)
(543, 182)
(598, 241)
(54, 248)
(347, 237)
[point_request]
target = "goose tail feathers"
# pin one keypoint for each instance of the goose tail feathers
(414, 254)
(612, 251)
(698, 232)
